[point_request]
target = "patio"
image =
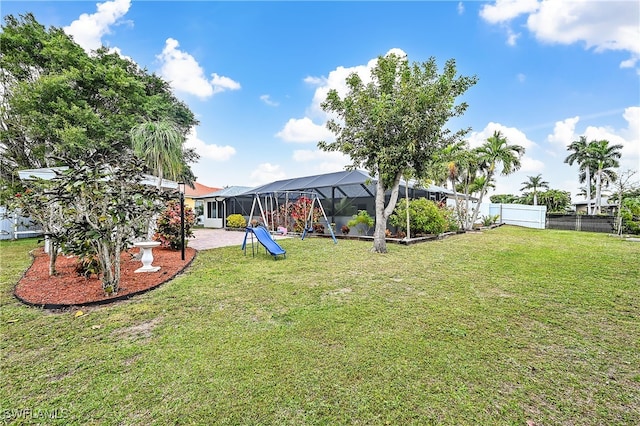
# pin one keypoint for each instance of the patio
(209, 238)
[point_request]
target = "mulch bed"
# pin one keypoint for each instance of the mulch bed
(67, 288)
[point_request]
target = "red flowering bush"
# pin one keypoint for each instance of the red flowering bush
(169, 232)
(300, 213)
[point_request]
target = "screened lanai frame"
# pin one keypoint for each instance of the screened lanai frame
(275, 210)
(342, 194)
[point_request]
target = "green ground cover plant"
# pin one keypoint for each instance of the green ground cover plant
(500, 327)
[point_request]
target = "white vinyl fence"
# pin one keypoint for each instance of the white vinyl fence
(520, 214)
(14, 226)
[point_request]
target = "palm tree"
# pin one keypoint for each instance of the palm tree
(581, 155)
(453, 162)
(159, 144)
(479, 183)
(605, 158)
(496, 150)
(583, 189)
(535, 183)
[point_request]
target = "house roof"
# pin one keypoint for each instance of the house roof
(48, 173)
(312, 183)
(230, 191)
(605, 202)
(199, 190)
(351, 183)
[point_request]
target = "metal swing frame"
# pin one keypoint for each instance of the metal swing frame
(315, 198)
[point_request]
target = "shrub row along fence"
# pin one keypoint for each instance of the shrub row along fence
(578, 222)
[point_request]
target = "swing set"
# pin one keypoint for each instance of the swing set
(295, 210)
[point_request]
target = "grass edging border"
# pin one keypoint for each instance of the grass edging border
(406, 242)
(60, 306)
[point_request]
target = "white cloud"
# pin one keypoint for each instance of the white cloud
(632, 133)
(506, 10)
(512, 38)
(503, 11)
(304, 130)
(221, 83)
(212, 152)
(564, 132)
(602, 25)
(88, 30)
(629, 138)
(185, 74)
(514, 136)
(521, 77)
(530, 165)
(460, 8)
(322, 161)
(267, 100)
(337, 79)
(598, 24)
(265, 173)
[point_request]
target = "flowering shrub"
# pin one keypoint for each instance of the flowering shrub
(299, 212)
(236, 221)
(169, 232)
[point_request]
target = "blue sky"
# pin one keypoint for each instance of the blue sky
(254, 73)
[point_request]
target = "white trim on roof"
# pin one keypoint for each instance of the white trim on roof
(48, 173)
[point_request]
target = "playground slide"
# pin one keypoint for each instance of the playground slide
(265, 239)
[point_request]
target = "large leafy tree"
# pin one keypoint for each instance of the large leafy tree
(61, 106)
(556, 200)
(494, 152)
(582, 157)
(395, 124)
(29, 58)
(58, 99)
(534, 183)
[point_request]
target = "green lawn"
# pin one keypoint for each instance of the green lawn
(500, 328)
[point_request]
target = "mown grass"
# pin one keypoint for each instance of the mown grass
(501, 327)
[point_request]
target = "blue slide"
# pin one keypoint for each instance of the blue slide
(265, 239)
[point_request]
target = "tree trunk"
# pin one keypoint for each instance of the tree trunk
(597, 208)
(458, 207)
(619, 218)
(476, 211)
(466, 206)
(104, 257)
(588, 179)
(53, 256)
(406, 194)
(382, 213)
